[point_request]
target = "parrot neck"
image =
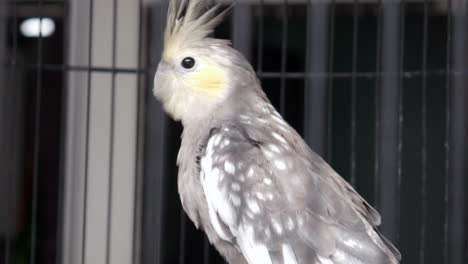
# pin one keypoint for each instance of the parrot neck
(240, 103)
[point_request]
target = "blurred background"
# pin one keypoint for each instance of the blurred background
(87, 157)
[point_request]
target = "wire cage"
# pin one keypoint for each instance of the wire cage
(379, 88)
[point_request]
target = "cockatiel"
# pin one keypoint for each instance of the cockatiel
(246, 177)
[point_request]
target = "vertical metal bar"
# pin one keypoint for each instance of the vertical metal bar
(88, 110)
(260, 39)
(422, 230)
(447, 142)
(400, 116)
(284, 55)
(4, 82)
(353, 92)
(241, 28)
(182, 236)
(7, 249)
(458, 140)
(315, 93)
(377, 128)
(154, 165)
(389, 118)
(4, 181)
(37, 135)
(111, 137)
(139, 156)
(206, 251)
(331, 58)
(7, 181)
(63, 123)
(8, 242)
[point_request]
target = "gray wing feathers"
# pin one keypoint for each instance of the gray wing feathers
(299, 209)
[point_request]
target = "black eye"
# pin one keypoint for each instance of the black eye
(188, 62)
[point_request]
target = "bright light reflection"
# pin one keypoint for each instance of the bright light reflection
(34, 27)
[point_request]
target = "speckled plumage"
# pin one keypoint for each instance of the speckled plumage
(247, 178)
(287, 194)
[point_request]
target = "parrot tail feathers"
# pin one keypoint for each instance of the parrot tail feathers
(361, 248)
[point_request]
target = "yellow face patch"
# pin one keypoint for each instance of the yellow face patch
(209, 80)
(171, 47)
(168, 54)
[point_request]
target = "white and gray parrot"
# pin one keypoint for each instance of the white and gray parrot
(246, 177)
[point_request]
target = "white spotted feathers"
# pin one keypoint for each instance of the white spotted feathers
(273, 205)
(240, 193)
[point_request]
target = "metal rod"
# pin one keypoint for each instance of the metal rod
(400, 118)
(260, 39)
(37, 137)
(377, 128)
(88, 111)
(112, 134)
(458, 140)
(62, 167)
(139, 155)
(284, 55)
(34, 2)
(447, 142)
(409, 74)
(331, 58)
(79, 68)
(316, 95)
(242, 28)
(5, 81)
(8, 242)
(389, 120)
(422, 230)
(206, 251)
(182, 236)
(353, 92)
(154, 159)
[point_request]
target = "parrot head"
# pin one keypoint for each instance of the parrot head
(196, 72)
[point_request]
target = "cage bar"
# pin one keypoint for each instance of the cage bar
(37, 135)
(87, 133)
(241, 29)
(182, 236)
(4, 180)
(284, 55)
(458, 137)
(407, 74)
(352, 165)
(154, 158)
(11, 134)
(422, 231)
(448, 84)
(317, 89)
(139, 160)
(400, 117)
(331, 58)
(389, 114)
(111, 136)
(62, 160)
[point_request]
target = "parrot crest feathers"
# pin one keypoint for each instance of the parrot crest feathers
(190, 22)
